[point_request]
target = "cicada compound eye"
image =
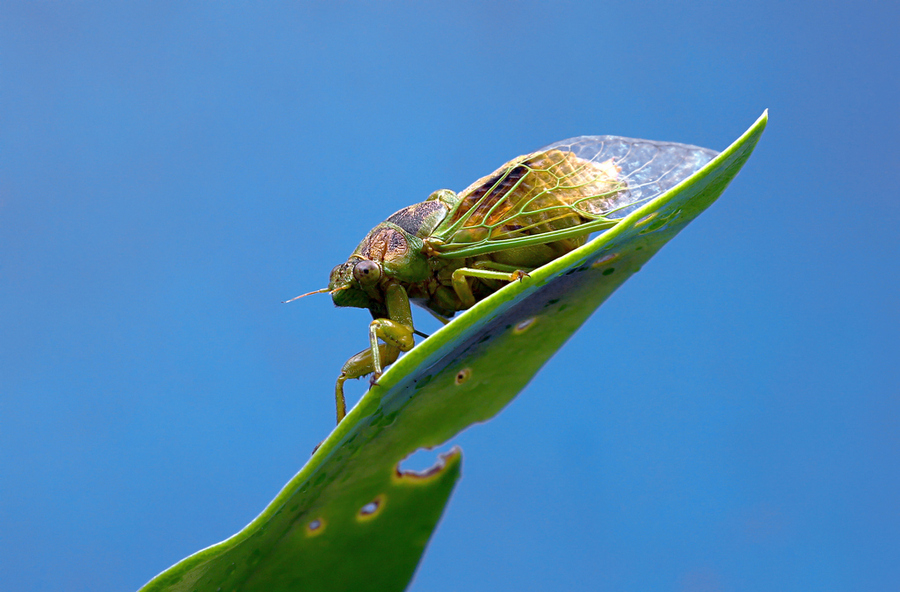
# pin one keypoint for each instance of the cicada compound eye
(367, 272)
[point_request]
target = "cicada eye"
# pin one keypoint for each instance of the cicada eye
(367, 272)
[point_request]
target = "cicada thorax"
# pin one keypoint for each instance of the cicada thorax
(396, 246)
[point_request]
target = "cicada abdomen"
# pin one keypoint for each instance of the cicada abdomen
(535, 194)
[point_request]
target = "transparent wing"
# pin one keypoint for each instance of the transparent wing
(648, 168)
(567, 189)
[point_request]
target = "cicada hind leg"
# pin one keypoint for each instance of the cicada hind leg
(483, 270)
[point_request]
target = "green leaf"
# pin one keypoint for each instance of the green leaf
(349, 520)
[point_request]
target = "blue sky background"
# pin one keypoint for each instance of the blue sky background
(729, 420)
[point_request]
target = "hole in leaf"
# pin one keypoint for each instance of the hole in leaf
(523, 326)
(646, 219)
(425, 462)
(371, 509)
(315, 527)
(604, 260)
(463, 375)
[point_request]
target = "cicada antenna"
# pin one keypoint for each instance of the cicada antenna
(322, 291)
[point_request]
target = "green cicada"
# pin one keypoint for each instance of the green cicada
(451, 250)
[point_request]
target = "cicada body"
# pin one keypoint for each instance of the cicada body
(451, 250)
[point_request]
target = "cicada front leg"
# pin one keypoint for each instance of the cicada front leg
(486, 270)
(397, 334)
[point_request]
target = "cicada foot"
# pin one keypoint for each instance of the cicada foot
(358, 366)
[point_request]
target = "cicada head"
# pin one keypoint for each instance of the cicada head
(355, 283)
